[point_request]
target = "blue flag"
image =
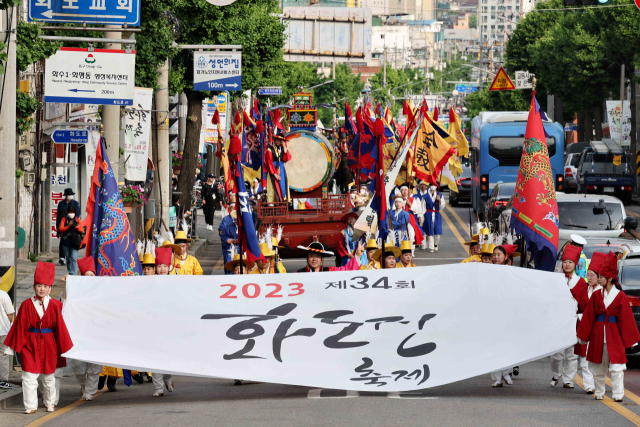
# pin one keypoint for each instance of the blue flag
(247, 236)
(109, 234)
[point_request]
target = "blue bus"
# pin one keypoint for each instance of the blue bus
(497, 139)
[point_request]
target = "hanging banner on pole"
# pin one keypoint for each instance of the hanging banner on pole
(502, 81)
(217, 71)
(101, 76)
(137, 131)
(379, 330)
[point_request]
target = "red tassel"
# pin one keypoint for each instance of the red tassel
(259, 127)
(216, 118)
(452, 116)
(406, 110)
(347, 109)
(435, 113)
(235, 145)
(359, 120)
(378, 128)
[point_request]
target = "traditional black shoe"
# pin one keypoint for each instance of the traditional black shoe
(111, 384)
(101, 382)
(138, 378)
(112, 388)
(516, 371)
(237, 382)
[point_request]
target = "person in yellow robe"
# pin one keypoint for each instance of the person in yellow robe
(406, 257)
(269, 266)
(371, 248)
(474, 250)
(185, 263)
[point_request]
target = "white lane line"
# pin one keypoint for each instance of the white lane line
(409, 395)
(315, 394)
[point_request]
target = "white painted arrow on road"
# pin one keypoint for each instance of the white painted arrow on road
(50, 14)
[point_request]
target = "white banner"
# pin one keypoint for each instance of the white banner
(383, 330)
(137, 135)
(100, 76)
(619, 118)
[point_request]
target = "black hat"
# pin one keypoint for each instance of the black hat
(317, 248)
(211, 175)
(68, 192)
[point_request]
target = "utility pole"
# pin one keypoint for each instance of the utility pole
(163, 166)
(8, 230)
(182, 120)
(111, 113)
(384, 64)
(622, 79)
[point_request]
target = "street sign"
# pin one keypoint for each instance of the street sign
(270, 91)
(117, 12)
(70, 136)
(101, 76)
(217, 71)
(466, 88)
(523, 80)
(458, 110)
(502, 81)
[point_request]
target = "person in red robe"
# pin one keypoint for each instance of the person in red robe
(39, 335)
(582, 296)
(274, 159)
(564, 364)
(346, 245)
(609, 327)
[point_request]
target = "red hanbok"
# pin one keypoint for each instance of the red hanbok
(581, 294)
(617, 322)
(39, 351)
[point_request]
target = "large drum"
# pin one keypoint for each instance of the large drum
(311, 164)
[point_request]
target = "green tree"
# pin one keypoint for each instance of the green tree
(345, 85)
(473, 21)
(485, 100)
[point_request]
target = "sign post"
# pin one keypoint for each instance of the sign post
(523, 80)
(217, 71)
(466, 88)
(84, 76)
(112, 12)
(266, 91)
(502, 81)
(71, 136)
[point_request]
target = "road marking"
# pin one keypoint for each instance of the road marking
(633, 213)
(219, 264)
(631, 416)
(315, 394)
(462, 223)
(629, 395)
(454, 229)
(59, 412)
(409, 395)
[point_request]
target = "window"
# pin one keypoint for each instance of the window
(603, 163)
(508, 149)
(580, 215)
(493, 8)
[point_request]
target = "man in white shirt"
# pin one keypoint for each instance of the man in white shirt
(6, 319)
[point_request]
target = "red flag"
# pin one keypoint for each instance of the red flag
(435, 113)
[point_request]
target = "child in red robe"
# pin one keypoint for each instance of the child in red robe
(39, 335)
(610, 328)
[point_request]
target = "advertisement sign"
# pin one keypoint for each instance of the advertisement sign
(116, 12)
(370, 330)
(137, 135)
(76, 75)
(619, 119)
(217, 71)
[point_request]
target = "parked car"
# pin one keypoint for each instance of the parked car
(498, 200)
(629, 279)
(505, 217)
(570, 185)
(464, 187)
(590, 215)
(571, 165)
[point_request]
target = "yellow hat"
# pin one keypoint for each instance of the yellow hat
(474, 239)
(148, 259)
(487, 248)
(266, 251)
(485, 231)
(387, 248)
(182, 235)
(405, 245)
(235, 261)
(274, 243)
(176, 248)
(372, 244)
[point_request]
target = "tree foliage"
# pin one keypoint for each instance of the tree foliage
(345, 85)
(473, 21)
(29, 47)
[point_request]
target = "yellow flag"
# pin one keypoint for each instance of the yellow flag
(455, 129)
(432, 153)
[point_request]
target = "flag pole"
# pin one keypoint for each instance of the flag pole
(405, 135)
(238, 216)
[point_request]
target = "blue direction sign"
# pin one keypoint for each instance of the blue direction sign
(70, 136)
(270, 91)
(90, 11)
(466, 88)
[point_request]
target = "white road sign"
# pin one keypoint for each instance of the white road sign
(102, 76)
(217, 71)
(523, 80)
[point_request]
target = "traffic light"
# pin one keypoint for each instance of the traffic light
(578, 3)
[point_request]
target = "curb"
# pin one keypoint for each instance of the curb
(11, 398)
(198, 248)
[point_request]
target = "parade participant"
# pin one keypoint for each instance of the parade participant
(316, 255)
(71, 234)
(148, 259)
(208, 193)
(564, 364)
(400, 219)
(583, 264)
(583, 296)
(475, 250)
(7, 315)
(60, 214)
(406, 258)
(39, 335)
(346, 245)
(256, 190)
(163, 261)
(504, 254)
(228, 231)
(391, 253)
(269, 253)
(487, 253)
(235, 266)
(371, 249)
(609, 327)
(433, 229)
(276, 156)
(186, 264)
(87, 374)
